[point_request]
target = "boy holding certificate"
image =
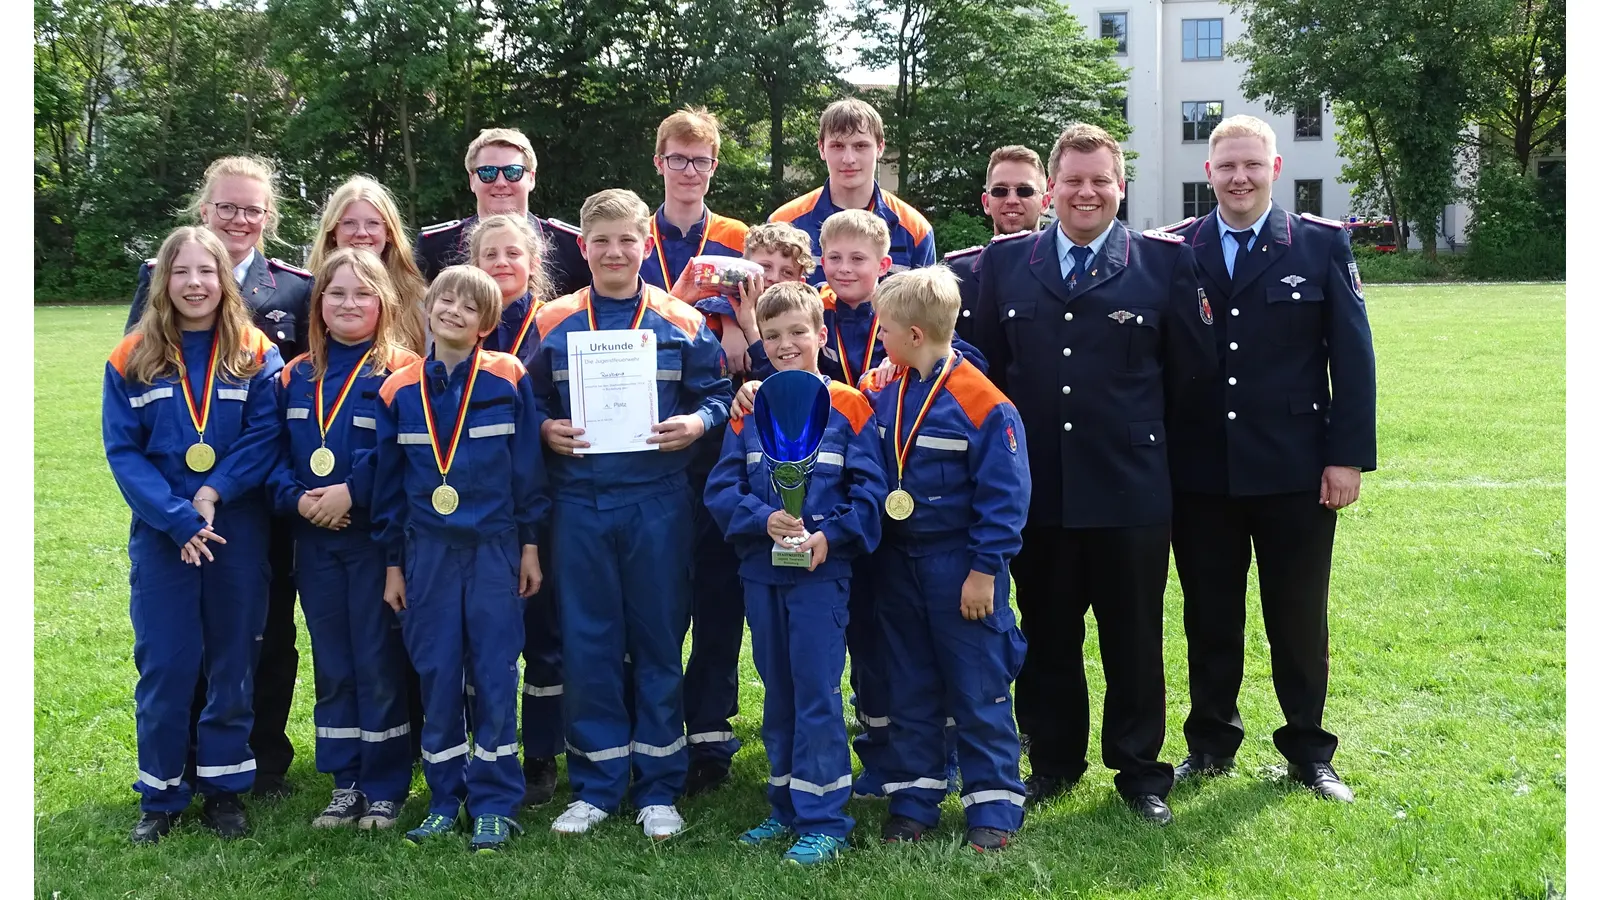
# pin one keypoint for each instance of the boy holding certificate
(798, 615)
(622, 545)
(958, 468)
(458, 502)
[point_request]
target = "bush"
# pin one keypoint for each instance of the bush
(1513, 234)
(960, 230)
(1391, 268)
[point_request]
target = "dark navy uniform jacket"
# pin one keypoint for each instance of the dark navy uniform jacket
(444, 245)
(964, 263)
(278, 294)
(1092, 370)
(1290, 321)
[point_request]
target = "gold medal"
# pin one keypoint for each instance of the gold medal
(445, 499)
(322, 462)
(899, 505)
(200, 456)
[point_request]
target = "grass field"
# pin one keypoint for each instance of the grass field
(1448, 690)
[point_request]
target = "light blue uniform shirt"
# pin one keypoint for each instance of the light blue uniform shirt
(1231, 246)
(1064, 247)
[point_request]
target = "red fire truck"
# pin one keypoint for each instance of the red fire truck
(1379, 234)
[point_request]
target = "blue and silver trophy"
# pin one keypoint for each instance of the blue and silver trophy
(791, 412)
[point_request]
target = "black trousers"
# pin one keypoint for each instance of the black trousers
(1292, 535)
(1120, 573)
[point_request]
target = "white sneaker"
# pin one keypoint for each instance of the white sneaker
(660, 821)
(579, 817)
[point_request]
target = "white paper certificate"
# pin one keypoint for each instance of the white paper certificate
(613, 387)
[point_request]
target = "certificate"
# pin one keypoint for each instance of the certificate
(613, 389)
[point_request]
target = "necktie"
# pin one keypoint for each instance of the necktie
(1242, 240)
(1080, 258)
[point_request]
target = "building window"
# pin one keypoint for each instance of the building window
(1308, 121)
(1122, 211)
(1308, 196)
(1199, 118)
(1198, 199)
(1202, 39)
(1114, 26)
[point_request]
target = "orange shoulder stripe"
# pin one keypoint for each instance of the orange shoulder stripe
(404, 377)
(674, 310)
(288, 367)
(123, 350)
(975, 392)
(797, 207)
(851, 403)
(556, 311)
(913, 221)
(727, 232)
(502, 364)
(737, 425)
(829, 301)
(399, 358)
(257, 343)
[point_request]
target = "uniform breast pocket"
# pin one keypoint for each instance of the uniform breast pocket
(669, 375)
(1147, 436)
(489, 431)
(227, 414)
(1294, 314)
(1017, 317)
(1141, 332)
(301, 422)
(939, 461)
(281, 326)
(363, 422)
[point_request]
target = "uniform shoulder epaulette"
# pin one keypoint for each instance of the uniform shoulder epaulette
(150, 263)
(565, 226)
(1321, 221)
(956, 254)
(288, 268)
(1176, 225)
(1012, 236)
(442, 226)
(1163, 235)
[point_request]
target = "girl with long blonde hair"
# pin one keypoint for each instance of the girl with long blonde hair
(362, 214)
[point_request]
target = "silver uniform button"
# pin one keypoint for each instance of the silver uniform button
(1232, 414)
(1066, 426)
(1069, 317)
(1066, 389)
(1152, 439)
(1234, 311)
(1233, 345)
(1066, 351)
(1232, 380)
(1315, 407)
(965, 313)
(1295, 296)
(1138, 320)
(1011, 313)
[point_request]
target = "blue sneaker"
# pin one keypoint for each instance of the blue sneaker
(868, 785)
(769, 830)
(490, 833)
(812, 849)
(433, 826)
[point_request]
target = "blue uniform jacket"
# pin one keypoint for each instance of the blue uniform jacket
(1093, 370)
(278, 295)
(964, 263)
(1290, 321)
(147, 430)
(910, 235)
(351, 436)
(445, 244)
(714, 235)
(967, 468)
(844, 497)
(515, 334)
(691, 379)
(498, 469)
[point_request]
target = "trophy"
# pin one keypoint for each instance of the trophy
(791, 412)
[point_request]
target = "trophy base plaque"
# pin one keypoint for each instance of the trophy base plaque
(785, 554)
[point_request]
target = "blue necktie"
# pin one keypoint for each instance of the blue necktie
(1080, 258)
(1242, 238)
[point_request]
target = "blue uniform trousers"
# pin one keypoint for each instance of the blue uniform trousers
(940, 665)
(711, 680)
(359, 661)
(622, 580)
(797, 637)
(868, 676)
(541, 670)
(186, 620)
(463, 622)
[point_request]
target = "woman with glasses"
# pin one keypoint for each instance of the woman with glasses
(362, 214)
(236, 201)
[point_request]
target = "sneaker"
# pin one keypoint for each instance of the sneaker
(224, 814)
(579, 817)
(490, 833)
(812, 849)
(868, 785)
(539, 773)
(381, 814)
(346, 807)
(660, 821)
(985, 839)
(153, 826)
(769, 830)
(433, 826)
(902, 830)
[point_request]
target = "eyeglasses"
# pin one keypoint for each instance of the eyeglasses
(513, 173)
(363, 297)
(226, 212)
(1001, 192)
(677, 162)
(356, 226)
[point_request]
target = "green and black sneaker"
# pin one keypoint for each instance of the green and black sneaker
(490, 833)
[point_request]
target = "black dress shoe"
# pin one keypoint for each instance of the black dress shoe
(902, 830)
(1150, 807)
(1025, 742)
(540, 775)
(153, 826)
(985, 839)
(1322, 780)
(271, 786)
(1202, 765)
(224, 814)
(1044, 787)
(705, 776)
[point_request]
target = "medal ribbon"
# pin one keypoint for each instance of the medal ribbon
(325, 421)
(200, 415)
(866, 358)
(533, 310)
(661, 253)
(901, 452)
(445, 459)
(638, 315)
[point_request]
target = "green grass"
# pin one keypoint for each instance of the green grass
(1448, 690)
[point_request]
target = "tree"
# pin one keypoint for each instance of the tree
(1526, 109)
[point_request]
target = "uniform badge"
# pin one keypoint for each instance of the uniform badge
(1292, 280)
(1011, 438)
(276, 315)
(1120, 316)
(1355, 279)
(1205, 307)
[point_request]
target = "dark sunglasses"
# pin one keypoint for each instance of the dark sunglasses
(513, 173)
(1001, 192)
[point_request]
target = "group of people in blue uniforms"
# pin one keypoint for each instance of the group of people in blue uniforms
(403, 415)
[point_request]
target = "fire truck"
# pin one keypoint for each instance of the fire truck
(1379, 234)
